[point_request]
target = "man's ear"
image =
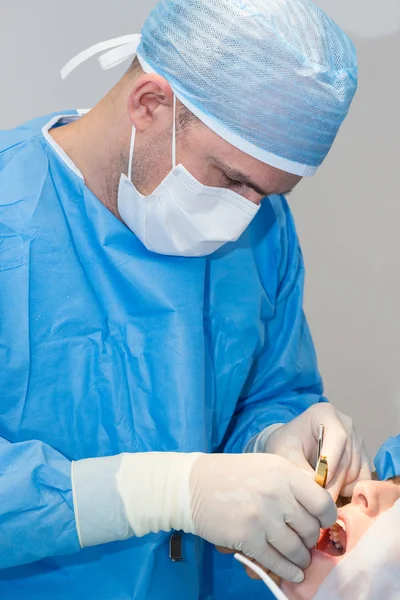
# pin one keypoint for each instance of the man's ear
(149, 93)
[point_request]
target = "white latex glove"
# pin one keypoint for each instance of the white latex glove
(258, 504)
(348, 460)
(262, 506)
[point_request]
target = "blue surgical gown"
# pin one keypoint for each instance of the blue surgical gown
(106, 348)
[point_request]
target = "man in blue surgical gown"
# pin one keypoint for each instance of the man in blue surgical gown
(159, 387)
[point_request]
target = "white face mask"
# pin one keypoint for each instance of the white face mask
(183, 217)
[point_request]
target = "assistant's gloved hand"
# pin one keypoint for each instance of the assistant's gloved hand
(258, 504)
(348, 459)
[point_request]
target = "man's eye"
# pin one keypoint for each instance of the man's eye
(232, 183)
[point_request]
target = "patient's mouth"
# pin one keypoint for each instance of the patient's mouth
(334, 540)
(338, 535)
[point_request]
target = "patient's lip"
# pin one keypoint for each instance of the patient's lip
(343, 516)
(325, 557)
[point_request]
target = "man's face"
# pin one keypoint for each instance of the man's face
(210, 159)
(370, 500)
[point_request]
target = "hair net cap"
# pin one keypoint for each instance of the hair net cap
(273, 77)
(387, 461)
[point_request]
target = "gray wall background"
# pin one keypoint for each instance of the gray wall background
(347, 216)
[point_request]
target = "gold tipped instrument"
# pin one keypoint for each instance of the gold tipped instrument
(321, 469)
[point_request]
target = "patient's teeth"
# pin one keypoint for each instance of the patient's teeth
(338, 546)
(341, 524)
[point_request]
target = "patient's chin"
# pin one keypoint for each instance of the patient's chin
(321, 565)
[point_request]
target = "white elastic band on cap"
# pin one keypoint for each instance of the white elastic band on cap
(120, 49)
(118, 55)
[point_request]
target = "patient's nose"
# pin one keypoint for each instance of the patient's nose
(367, 496)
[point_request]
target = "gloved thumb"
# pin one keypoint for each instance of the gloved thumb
(297, 457)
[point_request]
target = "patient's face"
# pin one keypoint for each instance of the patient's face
(370, 500)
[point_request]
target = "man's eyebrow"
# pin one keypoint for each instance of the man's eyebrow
(236, 175)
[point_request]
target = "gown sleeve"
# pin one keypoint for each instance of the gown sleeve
(284, 380)
(36, 504)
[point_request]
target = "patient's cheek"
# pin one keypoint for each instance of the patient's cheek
(319, 569)
(302, 591)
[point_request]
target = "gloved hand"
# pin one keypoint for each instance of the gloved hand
(265, 508)
(348, 460)
(257, 504)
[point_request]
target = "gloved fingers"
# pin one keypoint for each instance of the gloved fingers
(365, 470)
(364, 473)
(359, 464)
(289, 545)
(356, 458)
(337, 481)
(354, 466)
(305, 525)
(338, 448)
(270, 559)
(314, 499)
(296, 456)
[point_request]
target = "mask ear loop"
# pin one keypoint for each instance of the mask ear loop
(133, 136)
(174, 135)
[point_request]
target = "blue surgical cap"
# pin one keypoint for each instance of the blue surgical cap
(387, 461)
(275, 78)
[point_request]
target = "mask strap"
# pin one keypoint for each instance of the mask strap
(174, 136)
(133, 137)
